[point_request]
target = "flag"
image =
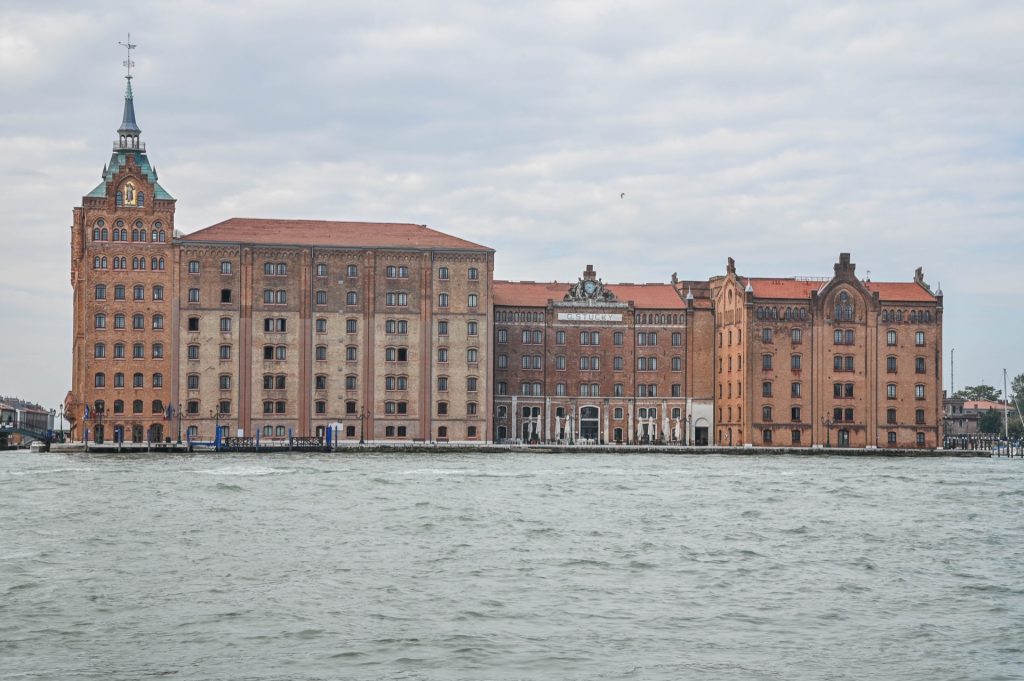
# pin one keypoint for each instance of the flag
(170, 412)
(87, 412)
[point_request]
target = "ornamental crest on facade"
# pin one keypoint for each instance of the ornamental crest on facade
(589, 289)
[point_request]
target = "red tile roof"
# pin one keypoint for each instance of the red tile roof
(783, 288)
(798, 289)
(330, 233)
(908, 292)
(532, 294)
(985, 405)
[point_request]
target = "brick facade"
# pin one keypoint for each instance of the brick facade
(274, 328)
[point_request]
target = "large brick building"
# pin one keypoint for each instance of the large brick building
(382, 331)
(840, 360)
(605, 363)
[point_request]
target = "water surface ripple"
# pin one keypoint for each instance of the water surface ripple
(510, 566)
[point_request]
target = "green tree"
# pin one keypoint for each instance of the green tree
(979, 392)
(1017, 389)
(991, 421)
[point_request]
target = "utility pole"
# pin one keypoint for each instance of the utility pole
(952, 373)
(1006, 402)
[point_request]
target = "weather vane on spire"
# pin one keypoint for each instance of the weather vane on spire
(128, 63)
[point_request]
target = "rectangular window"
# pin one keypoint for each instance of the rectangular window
(766, 335)
(473, 299)
(225, 352)
(795, 389)
(321, 269)
(890, 391)
(442, 300)
(193, 267)
(559, 337)
(193, 352)
(794, 414)
(766, 389)
(618, 338)
(321, 297)
(890, 364)
(919, 392)
(677, 339)
(225, 325)
(766, 362)
(919, 338)
(794, 362)
(193, 295)
(919, 365)
(796, 337)
(442, 272)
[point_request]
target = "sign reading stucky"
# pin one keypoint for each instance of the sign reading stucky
(589, 317)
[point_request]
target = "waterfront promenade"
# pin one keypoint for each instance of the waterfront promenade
(448, 447)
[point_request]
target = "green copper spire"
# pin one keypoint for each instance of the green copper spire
(129, 128)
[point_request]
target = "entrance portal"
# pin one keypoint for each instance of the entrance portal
(589, 423)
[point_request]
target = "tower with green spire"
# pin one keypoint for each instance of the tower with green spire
(123, 367)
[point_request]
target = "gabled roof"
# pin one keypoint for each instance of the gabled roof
(331, 233)
(117, 161)
(800, 289)
(533, 294)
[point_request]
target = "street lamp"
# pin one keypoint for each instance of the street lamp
(689, 424)
(179, 423)
(362, 416)
(827, 422)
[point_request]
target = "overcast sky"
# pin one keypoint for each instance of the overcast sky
(778, 133)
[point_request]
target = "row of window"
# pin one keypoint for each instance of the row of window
(839, 390)
(120, 233)
(536, 337)
(795, 437)
(100, 262)
(535, 389)
(796, 336)
(773, 313)
(618, 413)
(138, 321)
(280, 269)
(99, 351)
(138, 406)
(138, 292)
(138, 380)
(913, 317)
(472, 355)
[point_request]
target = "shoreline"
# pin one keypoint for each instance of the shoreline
(451, 448)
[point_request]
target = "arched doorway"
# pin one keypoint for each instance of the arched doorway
(700, 432)
(137, 432)
(589, 423)
(156, 432)
(97, 433)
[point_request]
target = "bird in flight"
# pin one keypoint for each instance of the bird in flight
(622, 195)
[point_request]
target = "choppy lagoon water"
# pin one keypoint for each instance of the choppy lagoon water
(473, 566)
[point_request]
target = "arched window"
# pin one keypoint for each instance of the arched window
(844, 308)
